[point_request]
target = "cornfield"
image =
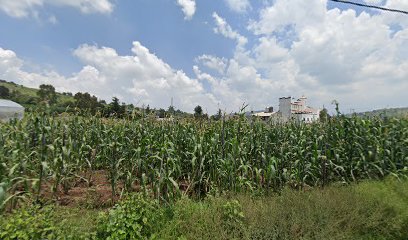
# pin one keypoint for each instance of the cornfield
(195, 157)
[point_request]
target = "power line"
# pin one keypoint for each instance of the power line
(371, 6)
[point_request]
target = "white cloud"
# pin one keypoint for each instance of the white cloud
(53, 20)
(138, 78)
(188, 7)
(239, 6)
(212, 62)
(27, 8)
(223, 28)
(377, 2)
(360, 60)
(283, 13)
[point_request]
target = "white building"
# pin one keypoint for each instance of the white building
(10, 110)
(265, 115)
(297, 110)
(289, 110)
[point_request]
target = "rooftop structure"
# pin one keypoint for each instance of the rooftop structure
(10, 110)
(288, 110)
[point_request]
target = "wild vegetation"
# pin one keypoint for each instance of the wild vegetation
(46, 98)
(369, 210)
(194, 157)
(245, 173)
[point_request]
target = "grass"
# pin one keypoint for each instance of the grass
(76, 221)
(32, 92)
(368, 210)
(371, 210)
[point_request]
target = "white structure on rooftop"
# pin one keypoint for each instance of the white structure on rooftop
(266, 115)
(297, 110)
(10, 110)
(289, 110)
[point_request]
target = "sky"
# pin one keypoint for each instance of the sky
(217, 54)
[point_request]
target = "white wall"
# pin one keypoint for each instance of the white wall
(285, 108)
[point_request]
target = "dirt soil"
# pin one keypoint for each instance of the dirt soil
(98, 194)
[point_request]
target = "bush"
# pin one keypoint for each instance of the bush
(138, 217)
(233, 218)
(28, 223)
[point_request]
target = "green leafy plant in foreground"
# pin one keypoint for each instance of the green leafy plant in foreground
(28, 223)
(137, 217)
(233, 216)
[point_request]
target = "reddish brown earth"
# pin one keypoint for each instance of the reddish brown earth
(94, 195)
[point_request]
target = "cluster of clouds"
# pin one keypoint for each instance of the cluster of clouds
(139, 78)
(31, 8)
(300, 47)
(188, 7)
(27, 8)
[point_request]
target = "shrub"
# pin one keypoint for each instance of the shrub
(28, 223)
(137, 217)
(233, 217)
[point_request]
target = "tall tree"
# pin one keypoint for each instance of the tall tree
(198, 111)
(218, 115)
(115, 107)
(171, 110)
(161, 113)
(87, 102)
(324, 115)
(47, 94)
(4, 92)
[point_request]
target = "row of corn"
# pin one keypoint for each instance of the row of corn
(195, 156)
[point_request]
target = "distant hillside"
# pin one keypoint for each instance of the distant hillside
(386, 112)
(28, 96)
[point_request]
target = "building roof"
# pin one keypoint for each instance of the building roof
(9, 104)
(303, 112)
(263, 114)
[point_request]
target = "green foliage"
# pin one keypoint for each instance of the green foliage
(369, 210)
(138, 217)
(75, 223)
(28, 97)
(4, 92)
(115, 109)
(87, 102)
(235, 155)
(233, 218)
(28, 223)
(161, 113)
(217, 116)
(195, 220)
(47, 94)
(198, 111)
(372, 210)
(324, 115)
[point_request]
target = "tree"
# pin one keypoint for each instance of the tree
(336, 103)
(4, 92)
(161, 113)
(114, 105)
(323, 115)
(116, 108)
(87, 102)
(198, 111)
(47, 94)
(171, 110)
(217, 116)
(147, 109)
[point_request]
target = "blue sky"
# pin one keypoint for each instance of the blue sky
(221, 53)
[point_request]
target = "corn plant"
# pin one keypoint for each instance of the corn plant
(192, 157)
